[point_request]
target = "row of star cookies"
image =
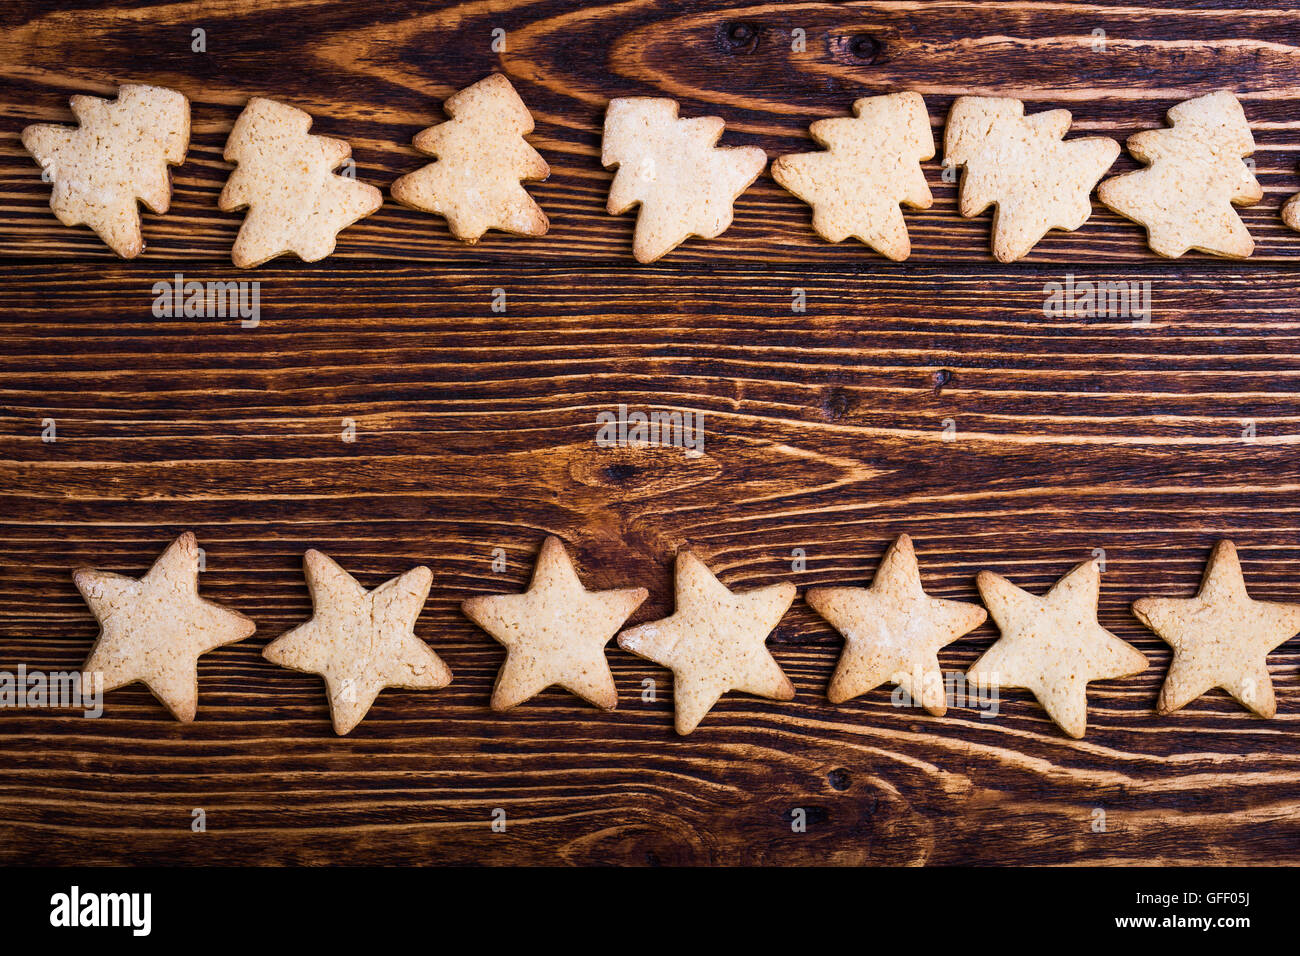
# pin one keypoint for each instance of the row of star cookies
(672, 168)
(155, 628)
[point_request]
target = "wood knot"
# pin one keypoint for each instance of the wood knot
(739, 36)
(941, 378)
(641, 471)
(836, 404)
(838, 778)
(620, 472)
(862, 48)
(866, 48)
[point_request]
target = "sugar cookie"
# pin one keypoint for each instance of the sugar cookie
(1220, 638)
(481, 157)
(154, 629)
(360, 641)
(554, 633)
(1022, 165)
(893, 631)
(871, 164)
(685, 184)
(285, 178)
(120, 153)
(1052, 645)
(715, 641)
(1195, 176)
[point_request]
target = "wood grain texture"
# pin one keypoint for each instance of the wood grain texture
(476, 430)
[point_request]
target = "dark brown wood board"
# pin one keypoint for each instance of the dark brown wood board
(475, 430)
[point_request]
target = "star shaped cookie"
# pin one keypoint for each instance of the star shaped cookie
(554, 633)
(893, 631)
(715, 641)
(1220, 638)
(154, 629)
(1052, 645)
(360, 641)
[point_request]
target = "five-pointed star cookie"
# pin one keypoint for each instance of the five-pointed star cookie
(1220, 637)
(893, 631)
(155, 629)
(1052, 645)
(360, 641)
(554, 633)
(715, 641)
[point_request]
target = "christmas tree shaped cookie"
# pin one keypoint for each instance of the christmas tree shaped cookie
(1022, 165)
(481, 158)
(117, 155)
(1195, 175)
(872, 164)
(296, 202)
(1291, 212)
(684, 183)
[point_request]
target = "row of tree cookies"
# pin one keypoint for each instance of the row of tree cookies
(670, 167)
(155, 628)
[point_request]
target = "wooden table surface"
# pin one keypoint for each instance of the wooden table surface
(475, 430)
